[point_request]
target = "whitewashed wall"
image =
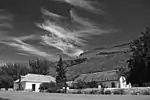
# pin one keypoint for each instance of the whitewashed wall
(28, 86)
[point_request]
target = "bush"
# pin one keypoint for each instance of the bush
(137, 91)
(52, 90)
(141, 92)
(80, 85)
(101, 91)
(49, 87)
(94, 92)
(92, 84)
(108, 92)
(146, 92)
(118, 92)
(79, 92)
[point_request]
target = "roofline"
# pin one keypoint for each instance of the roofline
(34, 81)
(101, 81)
(39, 82)
(100, 72)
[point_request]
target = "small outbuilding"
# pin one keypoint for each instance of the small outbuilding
(31, 82)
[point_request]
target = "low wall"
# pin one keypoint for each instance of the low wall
(123, 91)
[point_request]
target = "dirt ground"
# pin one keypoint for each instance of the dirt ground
(51, 96)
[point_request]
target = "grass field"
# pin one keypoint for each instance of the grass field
(48, 96)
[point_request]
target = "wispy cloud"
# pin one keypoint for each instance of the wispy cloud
(5, 21)
(68, 39)
(29, 49)
(5, 25)
(29, 37)
(46, 12)
(5, 15)
(23, 54)
(85, 4)
(63, 45)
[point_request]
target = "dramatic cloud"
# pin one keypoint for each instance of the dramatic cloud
(22, 46)
(89, 5)
(68, 35)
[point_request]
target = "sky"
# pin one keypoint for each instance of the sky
(31, 29)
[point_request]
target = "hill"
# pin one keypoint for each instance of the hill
(101, 59)
(95, 60)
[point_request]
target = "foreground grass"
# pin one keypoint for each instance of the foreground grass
(48, 96)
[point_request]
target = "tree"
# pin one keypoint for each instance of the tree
(139, 62)
(6, 81)
(11, 72)
(61, 75)
(14, 70)
(39, 66)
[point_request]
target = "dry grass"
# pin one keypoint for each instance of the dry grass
(48, 96)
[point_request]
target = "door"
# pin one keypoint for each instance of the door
(33, 87)
(113, 85)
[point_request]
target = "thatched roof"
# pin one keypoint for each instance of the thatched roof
(99, 76)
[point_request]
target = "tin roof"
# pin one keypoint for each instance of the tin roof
(37, 78)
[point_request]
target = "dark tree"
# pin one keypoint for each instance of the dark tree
(139, 62)
(6, 81)
(11, 72)
(14, 70)
(39, 66)
(61, 75)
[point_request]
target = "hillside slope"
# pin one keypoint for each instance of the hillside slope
(98, 59)
(101, 60)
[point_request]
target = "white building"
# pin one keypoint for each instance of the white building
(31, 82)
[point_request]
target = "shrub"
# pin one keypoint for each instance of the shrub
(118, 92)
(93, 92)
(141, 92)
(108, 92)
(101, 91)
(52, 90)
(49, 87)
(80, 85)
(92, 84)
(86, 92)
(146, 92)
(137, 91)
(79, 92)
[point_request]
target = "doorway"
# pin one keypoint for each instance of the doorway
(113, 85)
(33, 87)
